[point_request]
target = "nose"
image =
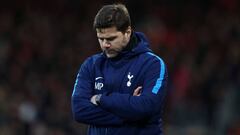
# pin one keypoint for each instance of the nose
(105, 44)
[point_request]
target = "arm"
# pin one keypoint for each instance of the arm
(83, 110)
(148, 103)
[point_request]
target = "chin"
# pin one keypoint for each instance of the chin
(111, 55)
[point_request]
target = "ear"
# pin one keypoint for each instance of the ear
(128, 32)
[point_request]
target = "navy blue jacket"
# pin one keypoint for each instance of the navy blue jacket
(119, 112)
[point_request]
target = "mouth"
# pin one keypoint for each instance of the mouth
(111, 53)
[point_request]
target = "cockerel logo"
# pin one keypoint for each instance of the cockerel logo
(129, 79)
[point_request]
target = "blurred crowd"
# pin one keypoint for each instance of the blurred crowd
(43, 43)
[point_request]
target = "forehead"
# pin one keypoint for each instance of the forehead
(108, 32)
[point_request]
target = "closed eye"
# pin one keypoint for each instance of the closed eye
(108, 39)
(101, 39)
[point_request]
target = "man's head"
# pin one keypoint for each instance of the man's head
(113, 27)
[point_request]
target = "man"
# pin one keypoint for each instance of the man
(121, 90)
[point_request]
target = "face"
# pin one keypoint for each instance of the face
(112, 41)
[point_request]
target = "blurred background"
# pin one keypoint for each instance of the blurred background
(43, 43)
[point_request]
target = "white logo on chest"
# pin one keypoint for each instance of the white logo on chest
(129, 79)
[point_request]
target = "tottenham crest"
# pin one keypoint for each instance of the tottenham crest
(129, 83)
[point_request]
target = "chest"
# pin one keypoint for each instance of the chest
(120, 78)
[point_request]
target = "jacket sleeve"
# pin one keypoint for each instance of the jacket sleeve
(83, 110)
(148, 103)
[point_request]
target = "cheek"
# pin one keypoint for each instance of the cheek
(120, 43)
(100, 42)
(124, 43)
(101, 45)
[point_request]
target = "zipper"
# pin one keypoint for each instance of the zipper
(106, 131)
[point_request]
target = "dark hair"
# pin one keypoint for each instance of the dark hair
(112, 15)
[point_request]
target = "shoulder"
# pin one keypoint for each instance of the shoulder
(155, 63)
(152, 58)
(93, 59)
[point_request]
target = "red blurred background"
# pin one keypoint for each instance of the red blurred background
(43, 43)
